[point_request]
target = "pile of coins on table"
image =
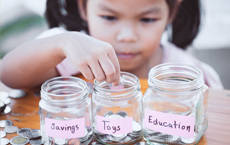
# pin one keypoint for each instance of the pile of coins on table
(5, 99)
(25, 135)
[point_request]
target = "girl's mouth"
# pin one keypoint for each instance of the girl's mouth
(126, 55)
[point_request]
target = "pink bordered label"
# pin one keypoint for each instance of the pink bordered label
(114, 126)
(65, 129)
(169, 123)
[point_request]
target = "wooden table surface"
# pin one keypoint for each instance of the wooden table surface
(24, 114)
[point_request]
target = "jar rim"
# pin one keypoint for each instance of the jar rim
(128, 90)
(193, 84)
(45, 92)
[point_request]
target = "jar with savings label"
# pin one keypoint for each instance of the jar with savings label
(65, 112)
(117, 110)
(175, 105)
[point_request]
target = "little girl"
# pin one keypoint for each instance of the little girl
(101, 37)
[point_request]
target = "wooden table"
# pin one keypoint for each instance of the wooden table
(24, 114)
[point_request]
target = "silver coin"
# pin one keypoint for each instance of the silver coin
(4, 141)
(141, 143)
(96, 143)
(4, 123)
(126, 139)
(37, 141)
(136, 126)
(18, 140)
(34, 133)
(188, 140)
(6, 101)
(24, 132)
(17, 93)
(101, 137)
(60, 141)
(3, 95)
(108, 114)
(122, 113)
(82, 139)
(7, 110)
(2, 134)
(114, 116)
(11, 129)
(116, 138)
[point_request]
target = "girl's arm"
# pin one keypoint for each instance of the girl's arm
(30, 64)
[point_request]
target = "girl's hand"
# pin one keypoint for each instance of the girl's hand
(92, 57)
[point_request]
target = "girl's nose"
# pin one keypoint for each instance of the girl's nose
(127, 34)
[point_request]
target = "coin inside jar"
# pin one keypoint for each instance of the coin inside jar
(75, 141)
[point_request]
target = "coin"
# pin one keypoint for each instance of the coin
(141, 143)
(18, 140)
(33, 133)
(118, 87)
(188, 140)
(11, 129)
(136, 126)
(122, 113)
(74, 141)
(6, 101)
(4, 123)
(3, 94)
(37, 141)
(4, 141)
(17, 93)
(96, 143)
(7, 110)
(60, 141)
(2, 134)
(108, 114)
(24, 132)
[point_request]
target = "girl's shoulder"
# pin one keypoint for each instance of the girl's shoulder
(172, 53)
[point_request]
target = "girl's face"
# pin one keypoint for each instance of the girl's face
(133, 27)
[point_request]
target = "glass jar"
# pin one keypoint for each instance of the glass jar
(65, 111)
(175, 105)
(117, 111)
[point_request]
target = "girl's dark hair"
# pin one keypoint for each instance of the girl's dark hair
(185, 25)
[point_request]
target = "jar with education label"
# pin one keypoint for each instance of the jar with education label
(65, 112)
(175, 105)
(117, 110)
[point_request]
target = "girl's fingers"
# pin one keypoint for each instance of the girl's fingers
(97, 70)
(115, 62)
(86, 72)
(108, 68)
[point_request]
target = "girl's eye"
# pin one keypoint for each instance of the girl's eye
(148, 20)
(109, 18)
